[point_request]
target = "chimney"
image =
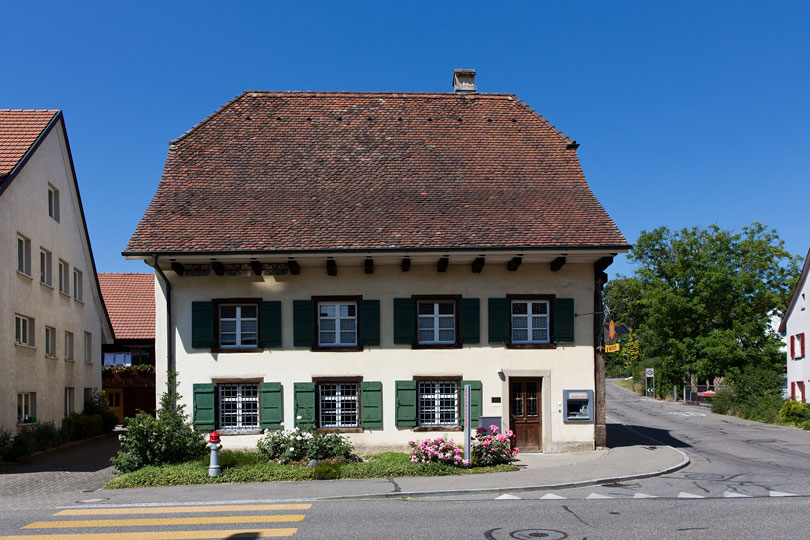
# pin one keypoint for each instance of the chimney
(464, 81)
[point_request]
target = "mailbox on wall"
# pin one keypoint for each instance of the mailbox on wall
(578, 406)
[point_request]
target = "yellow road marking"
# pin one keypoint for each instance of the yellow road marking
(181, 509)
(153, 522)
(167, 535)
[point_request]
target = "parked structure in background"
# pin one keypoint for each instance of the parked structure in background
(349, 261)
(52, 316)
(128, 375)
(795, 327)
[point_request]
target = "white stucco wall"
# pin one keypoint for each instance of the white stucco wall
(798, 369)
(566, 367)
(24, 210)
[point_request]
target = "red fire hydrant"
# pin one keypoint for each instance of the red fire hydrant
(214, 445)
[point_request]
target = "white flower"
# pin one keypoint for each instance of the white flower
(298, 417)
(281, 424)
(292, 449)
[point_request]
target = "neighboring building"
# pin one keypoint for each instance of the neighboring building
(350, 261)
(795, 327)
(52, 315)
(128, 376)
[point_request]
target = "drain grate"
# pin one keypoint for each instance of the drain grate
(533, 534)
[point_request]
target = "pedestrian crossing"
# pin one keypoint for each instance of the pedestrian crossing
(206, 522)
(639, 495)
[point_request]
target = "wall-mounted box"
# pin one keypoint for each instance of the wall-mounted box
(578, 406)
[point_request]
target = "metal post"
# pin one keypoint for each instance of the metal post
(467, 422)
(674, 392)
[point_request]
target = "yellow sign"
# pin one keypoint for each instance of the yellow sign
(612, 347)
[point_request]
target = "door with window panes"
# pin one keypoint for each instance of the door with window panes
(524, 412)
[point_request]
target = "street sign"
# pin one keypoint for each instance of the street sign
(649, 372)
(612, 347)
(612, 331)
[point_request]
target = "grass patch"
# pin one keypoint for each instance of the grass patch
(627, 384)
(247, 466)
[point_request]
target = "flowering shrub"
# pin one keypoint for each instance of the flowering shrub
(489, 447)
(439, 450)
(298, 444)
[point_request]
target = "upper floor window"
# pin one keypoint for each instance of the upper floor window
(238, 325)
(88, 347)
(50, 341)
(530, 321)
(23, 255)
(64, 277)
(23, 330)
(45, 267)
(337, 324)
(77, 285)
(69, 346)
(53, 203)
(436, 322)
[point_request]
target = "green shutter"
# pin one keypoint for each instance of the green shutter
(406, 403)
(371, 404)
(304, 393)
(272, 398)
(564, 320)
(203, 413)
(469, 323)
(499, 320)
(270, 320)
(303, 323)
(368, 312)
(202, 325)
(404, 321)
(475, 403)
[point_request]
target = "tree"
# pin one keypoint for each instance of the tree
(702, 300)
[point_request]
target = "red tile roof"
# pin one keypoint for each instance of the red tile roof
(130, 301)
(277, 171)
(19, 129)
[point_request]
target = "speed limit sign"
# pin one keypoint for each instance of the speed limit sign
(650, 372)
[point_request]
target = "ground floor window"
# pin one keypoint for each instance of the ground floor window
(438, 403)
(338, 404)
(238, 405)
(70, 399)
(26, 405)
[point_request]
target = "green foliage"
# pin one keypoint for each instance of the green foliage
(701, 300)
(326, 471)
(761, 408)
(298, 445)
(135, 368)
(32, 438)
(96, 404)
(156, 441)
(77, 426)
(616, 363)
(5, 442)
(492, 448)
(794, 412)
(236, 458)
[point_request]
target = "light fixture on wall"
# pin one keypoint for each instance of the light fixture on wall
(501, 374)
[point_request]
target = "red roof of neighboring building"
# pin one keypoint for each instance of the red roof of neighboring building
(19, 130)
(130, 301)
(301, 171)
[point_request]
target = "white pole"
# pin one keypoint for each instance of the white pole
(467, 421)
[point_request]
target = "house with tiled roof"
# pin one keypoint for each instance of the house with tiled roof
(51, 313)
(795, 326)
(353, 261)
(128, 375)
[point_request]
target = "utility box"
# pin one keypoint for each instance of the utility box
(578, 406)
(486, 421)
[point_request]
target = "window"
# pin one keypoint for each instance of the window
(530, 321)
(26, 406)
(88, 347)
(88, 396)
(69, 346)
(53, 203)
(23, 255)
(69, 399)
(437, 323)
(238, 405)
(438, 403)
(238, 326)
(50, 341)
(797, 346)
(64, 277)
(23, 330)
(45, 266)
(338, 404)
(77, 285)
(337, 324)
(117, 359)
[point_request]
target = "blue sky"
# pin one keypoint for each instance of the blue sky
(688, 113)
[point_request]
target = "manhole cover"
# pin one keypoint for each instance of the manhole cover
(86, 501)
(762, 441)
(532, 534)
(704, 476)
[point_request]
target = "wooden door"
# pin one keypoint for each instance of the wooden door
(525, 412)
(115, 402)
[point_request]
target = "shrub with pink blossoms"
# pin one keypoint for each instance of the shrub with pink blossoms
(492, 447)
(439, 450)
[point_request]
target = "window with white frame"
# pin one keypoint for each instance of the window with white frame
(50, 341)
(438, 403)
(337, 324)
(64, 277)
(78, 289)
(238, 405)
(530, 321)
(69, 346)
(26, 406)
(88, 347)
(23, 255)
(45, 267)
(338, 404)
(70, 396)
(238, 325)
(53, 203)
(23, 330)
(437, 323)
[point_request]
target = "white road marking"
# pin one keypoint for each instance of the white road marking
(644, 496)
(506, 496)
(732, 494)
(780, 494)
(551, 496)
(684, 495)
(597, 496)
